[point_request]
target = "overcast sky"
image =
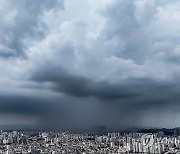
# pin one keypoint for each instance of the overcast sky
(81, 63)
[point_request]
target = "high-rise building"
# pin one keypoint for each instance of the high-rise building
(177, 131)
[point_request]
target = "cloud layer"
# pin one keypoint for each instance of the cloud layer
(119, 57)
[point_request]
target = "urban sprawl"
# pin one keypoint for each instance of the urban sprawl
(30, 142)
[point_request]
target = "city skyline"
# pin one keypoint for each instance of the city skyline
(77, 64)
(44, 142)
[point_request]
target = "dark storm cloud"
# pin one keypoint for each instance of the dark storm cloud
(62, 113)
(47, 112)
(134, 24)
(130, 64)
(83, 87)
(25, 105)
(144, 92)
(21, 24)
(116, 59)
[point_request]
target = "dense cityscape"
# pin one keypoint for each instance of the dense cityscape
(49, 142)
